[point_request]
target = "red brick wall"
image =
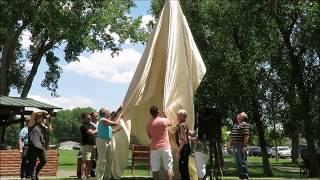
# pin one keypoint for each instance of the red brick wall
(10, 161)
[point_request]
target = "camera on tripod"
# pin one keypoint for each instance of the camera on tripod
(209, 129)
(209, 123)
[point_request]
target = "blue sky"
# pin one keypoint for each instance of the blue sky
(97, 80)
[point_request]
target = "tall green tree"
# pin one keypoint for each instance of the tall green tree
(298, 24)
(74, 26)
(235, 60)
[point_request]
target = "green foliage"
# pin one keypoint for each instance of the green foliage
(73, 26)
(224, 135)
(11, 136)
(66, 125)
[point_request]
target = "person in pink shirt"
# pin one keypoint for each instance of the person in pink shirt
(157, 129)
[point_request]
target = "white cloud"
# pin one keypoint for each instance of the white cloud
(28, 65)
(65, 102)
(25, 39)
(101, 65)
(145, 20)
(114, 35)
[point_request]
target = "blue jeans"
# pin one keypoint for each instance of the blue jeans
(241, 160)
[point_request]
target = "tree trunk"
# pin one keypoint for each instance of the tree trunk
(276, 142)
(305, 105)
(309, 133)
(306, 114)
(265, 158)
(7, 58)
(36, 59)
(5, 62)
(295, 148)
(293, 121)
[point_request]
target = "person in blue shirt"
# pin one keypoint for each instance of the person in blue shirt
(103, 143)
(23, 148)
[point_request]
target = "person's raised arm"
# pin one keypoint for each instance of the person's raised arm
(109, 122)
(115, 114)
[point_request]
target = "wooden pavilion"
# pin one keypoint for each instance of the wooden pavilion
(10, 159)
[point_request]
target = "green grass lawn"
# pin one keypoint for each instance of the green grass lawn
(67, 160)
(281, 169)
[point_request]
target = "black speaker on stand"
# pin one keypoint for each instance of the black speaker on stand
(209, 130)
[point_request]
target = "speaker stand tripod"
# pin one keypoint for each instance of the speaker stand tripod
(213, 150)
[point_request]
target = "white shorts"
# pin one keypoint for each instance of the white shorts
(155, 159)
(201, 160)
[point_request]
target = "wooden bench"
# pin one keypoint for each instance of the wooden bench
(140, 154)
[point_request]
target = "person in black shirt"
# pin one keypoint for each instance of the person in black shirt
(88, 135)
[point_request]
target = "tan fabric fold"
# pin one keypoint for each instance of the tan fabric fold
(168, 74)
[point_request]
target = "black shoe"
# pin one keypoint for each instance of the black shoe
(93, 174)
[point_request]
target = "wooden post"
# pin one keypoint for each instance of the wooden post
(3, 132)
(22, 118)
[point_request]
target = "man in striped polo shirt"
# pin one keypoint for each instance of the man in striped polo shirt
(239, 141)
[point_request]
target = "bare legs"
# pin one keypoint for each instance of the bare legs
(85, 168)
(169, 173)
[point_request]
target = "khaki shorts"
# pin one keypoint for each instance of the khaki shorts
(87, 152)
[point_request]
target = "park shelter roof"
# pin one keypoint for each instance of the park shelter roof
(8, 101)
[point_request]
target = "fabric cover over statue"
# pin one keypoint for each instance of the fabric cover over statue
(168, 74)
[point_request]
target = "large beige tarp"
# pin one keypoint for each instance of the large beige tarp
(169, 72)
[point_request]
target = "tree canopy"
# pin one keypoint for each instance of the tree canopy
(73, 26)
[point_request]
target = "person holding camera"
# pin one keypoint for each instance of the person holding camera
(38, 142)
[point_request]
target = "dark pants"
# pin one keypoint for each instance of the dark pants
(183, 165)
(24, 163)
(35, 153)
(241, 160)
